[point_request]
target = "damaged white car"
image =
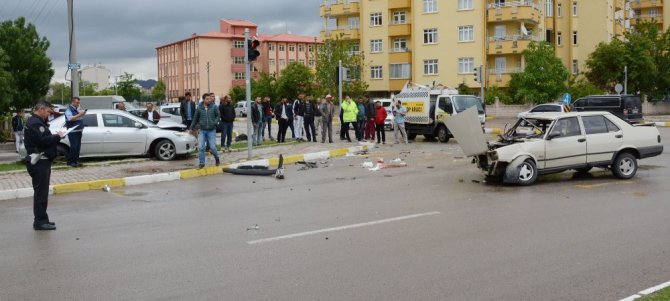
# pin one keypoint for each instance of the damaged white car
(554, 142)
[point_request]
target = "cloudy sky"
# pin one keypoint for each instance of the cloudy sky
(122, 34)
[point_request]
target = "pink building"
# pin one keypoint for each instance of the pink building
(183, 65)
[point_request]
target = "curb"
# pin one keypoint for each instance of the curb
(646, 292)
(496, 131)
(174, 176)
(662, 124)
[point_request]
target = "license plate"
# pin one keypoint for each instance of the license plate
(635, 111)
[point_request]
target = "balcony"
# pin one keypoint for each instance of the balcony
(400, 29)
(510, 44)
(501, 76)
(342, 33)
(516, 11)
(237, 68)
(639, 4)
(396, 4)
(237, 52)
(334, 8)
(402, 55)
(647, 18)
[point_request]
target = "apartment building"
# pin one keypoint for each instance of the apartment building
(96, 74)
(648, 10)
(214, 61)
(443, 41)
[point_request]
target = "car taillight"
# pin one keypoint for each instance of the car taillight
(659, 138)
(625, 111)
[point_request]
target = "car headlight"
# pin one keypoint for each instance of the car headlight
(181, 134)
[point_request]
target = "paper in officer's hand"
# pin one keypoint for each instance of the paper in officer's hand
(67, 131)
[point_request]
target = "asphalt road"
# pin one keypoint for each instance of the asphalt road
(427, 231)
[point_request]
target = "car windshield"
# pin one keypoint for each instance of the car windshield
(528, 128)
(465, 102)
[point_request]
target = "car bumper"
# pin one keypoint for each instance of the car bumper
(185, 145)
(651, 151)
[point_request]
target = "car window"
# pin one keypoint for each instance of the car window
(594, 124)
(112, 120)
(580, 103)
(553, 109)
(171, 111)
(566, 127)
(611, 127)
(90, 120)
(604, 102)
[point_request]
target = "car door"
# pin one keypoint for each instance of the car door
(121, 137)
(92, 136)
(603, 138)
(171, 113)
(568, 147)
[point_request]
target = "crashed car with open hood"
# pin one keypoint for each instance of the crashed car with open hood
(546, 143)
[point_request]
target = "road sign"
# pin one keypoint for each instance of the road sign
(567, 99)
(618, 88)
(74, 66)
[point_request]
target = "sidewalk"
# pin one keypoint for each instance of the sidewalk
(18, 184)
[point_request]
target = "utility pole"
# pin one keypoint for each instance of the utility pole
(73, 50)
(208, 66)
(482, 76)
(339, 82)
(625, 80)
(247, 77)
(167, 80)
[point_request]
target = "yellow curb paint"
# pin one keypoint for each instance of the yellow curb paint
(490, 117)
(89, 185)
(496, 131)
(338, 152)
(200, 172)
(274, 162)
(293, 158)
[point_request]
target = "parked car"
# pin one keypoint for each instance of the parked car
(626, 107)
(241, 109)
(170, 111)
(110, 133)
(545, 108)
(388, 122)
(554, 142)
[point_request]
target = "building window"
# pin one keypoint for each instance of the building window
(376, 19)
(559, 10)
(464, 4)
(430, 36)
(282, 62)
(310, 47)
(575, 67)
(430, 67)
(376, 46)
(429, 6)
(466, 33)
(239, 76)
(399, 17)
(271, 47)
(355, 48)
(291, 47)
(291, 61)
(574, 37)
(238, 60)
(466, 65)
(312, 63)
(271, 62)
(301, 48)
(375, 72)
(574, 8)
(301, 61)
(282, 47)
(238, 44)
(550, 8)
(400, 45)
(400, 71)
(559, 38)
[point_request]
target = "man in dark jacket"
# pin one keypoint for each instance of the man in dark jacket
(206, 117)
(310, 109)
(299, 115)
(17, 128)
(283, 116)
(370, 115)
(187, 109)
(257, 121)
(268, 112)
(227, 112)
(151, 114)
(41, 144)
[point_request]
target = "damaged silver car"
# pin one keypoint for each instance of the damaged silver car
(547, 143)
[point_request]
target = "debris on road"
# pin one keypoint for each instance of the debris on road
(430, 167)
(106, 188)
(254, 227)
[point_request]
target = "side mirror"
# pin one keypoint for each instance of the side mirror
(553, 135)
(139, 125)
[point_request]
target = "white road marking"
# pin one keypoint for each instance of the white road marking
(377, 222)
(648, 291)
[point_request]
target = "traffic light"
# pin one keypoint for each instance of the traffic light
(477, 74)
(253, 49)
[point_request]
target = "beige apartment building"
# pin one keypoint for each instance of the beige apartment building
(648, 10)
(214, 61)
(443, 41)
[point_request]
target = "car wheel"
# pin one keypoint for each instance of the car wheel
(443, 134)
(526, 174)
(624, 166)
(165, 150)
(411, 136)
(61, 153)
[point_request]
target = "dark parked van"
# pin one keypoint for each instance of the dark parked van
(626, 107)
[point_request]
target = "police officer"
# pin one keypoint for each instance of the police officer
(40, 142)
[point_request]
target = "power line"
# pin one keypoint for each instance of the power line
(32, 8)
(41, 10)
(50, 13)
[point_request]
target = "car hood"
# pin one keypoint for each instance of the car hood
(467, 130)
(167, 124)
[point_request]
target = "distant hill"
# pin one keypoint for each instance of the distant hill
(147, 84)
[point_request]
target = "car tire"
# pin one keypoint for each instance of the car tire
(165, 150)
(624, 166)
(61, 153)
(527, 174)
(411, 136)
(443, 134)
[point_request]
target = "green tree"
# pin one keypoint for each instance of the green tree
(126, 87)
(88, 88)
(61, 93)
(238, 93)
(580, 87)
(606, 63)
(544, 77)
(29, 66)
(463, 89)
(6, 83)
(295, 79)
(158, 92)
(327, 57)
(266, 85)
(494, 91)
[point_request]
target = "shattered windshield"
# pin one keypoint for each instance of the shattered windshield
(465, 102)
(528, 128)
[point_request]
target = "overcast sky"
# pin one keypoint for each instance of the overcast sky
(122, 34)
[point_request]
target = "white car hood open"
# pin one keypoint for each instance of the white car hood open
(468, 132)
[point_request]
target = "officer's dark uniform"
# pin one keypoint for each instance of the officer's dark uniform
(38, 139)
